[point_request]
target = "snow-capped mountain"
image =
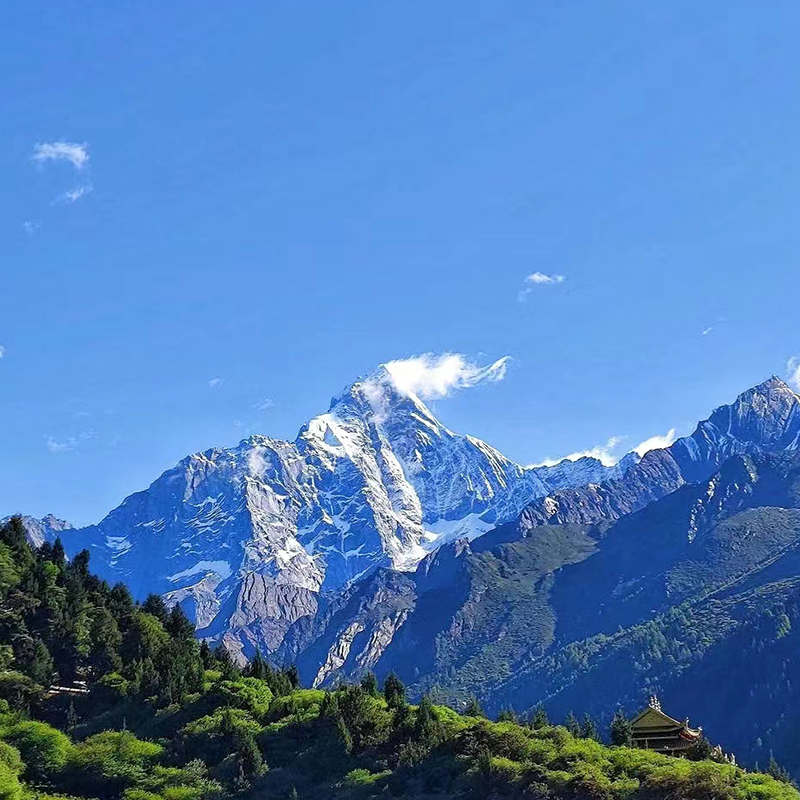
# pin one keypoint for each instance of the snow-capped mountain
(245, 538)
(470, 609)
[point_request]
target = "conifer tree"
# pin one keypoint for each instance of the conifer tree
(572, 725)
(539, 718)
(620, 729)
(369, 683)
(394, 691)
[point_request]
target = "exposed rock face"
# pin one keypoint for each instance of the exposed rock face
(246, 538)
(46, 529)
(762, 420)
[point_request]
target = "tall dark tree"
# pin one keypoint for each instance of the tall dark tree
(620, 729)
(394, 691)
(369, 683)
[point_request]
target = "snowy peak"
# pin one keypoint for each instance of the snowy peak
(245, 538)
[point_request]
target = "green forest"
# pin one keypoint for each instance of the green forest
(102, 697)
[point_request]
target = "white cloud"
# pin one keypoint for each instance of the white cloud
(76, 154)
(431, 377)
(707, 330)
(2, 351)
(263, 405)
(73, 195)
(538, 279)
(70, 443)
(603, 453)
(793, 371)
(655, 442)
(54, 446)
(214, 382)
(30, 226)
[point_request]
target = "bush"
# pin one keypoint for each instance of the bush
(10, 788)
(250, 694)
(19, 691)
(107, 763)
(44, 750)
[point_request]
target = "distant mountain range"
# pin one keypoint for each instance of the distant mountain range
(381, 540)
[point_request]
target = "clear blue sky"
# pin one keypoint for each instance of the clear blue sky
(280, 196)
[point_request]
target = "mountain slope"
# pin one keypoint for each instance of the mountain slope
(246, 538)
(472, 612)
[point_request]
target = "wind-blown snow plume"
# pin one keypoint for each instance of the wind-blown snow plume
(431, 377)
(602, 452)
(655, 442)
(793, 372)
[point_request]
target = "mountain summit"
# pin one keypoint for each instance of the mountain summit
(245, 538)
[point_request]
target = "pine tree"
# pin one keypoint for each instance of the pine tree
(293, 676)
(589, 729)
(257, 668)
(205, 655)
(539, 719)
(473, 708)
(155, 606)
(250, 757)
(777, 771)
(572, 725)
(394, 691)
(507, 715)
(369, 683)
(620, 729)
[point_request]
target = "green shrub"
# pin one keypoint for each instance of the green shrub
(10, 788)
(44, 750)
(250, 694)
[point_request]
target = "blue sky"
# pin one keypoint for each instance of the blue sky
(265, 200)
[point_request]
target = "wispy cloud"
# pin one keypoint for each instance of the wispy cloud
(63, 446)
(431, 377)
(31, 226)
(793, 371)
(655, 442)
(707, 330)
(538, 279)
(604, 453)
(2, 351)
(76, 154)
(70, 443)
(263, 405)
(214, 382)
(73, 195)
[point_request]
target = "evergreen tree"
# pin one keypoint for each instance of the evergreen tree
(369, 683)
(155, 606)
(572, 725)
(257, 667)
(206, 656)
(539, 719)
(777, 771)
(473, 708)
(589, 729)
(620, 729)
(426, 722)
(250, 758)
(58, 556)
(507, 715)
(293, 676)
(394, 691)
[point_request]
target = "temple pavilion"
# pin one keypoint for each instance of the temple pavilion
(652, 729)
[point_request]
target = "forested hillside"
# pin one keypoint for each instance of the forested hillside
(104, 698)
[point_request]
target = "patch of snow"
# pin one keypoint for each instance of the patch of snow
(221, 568)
